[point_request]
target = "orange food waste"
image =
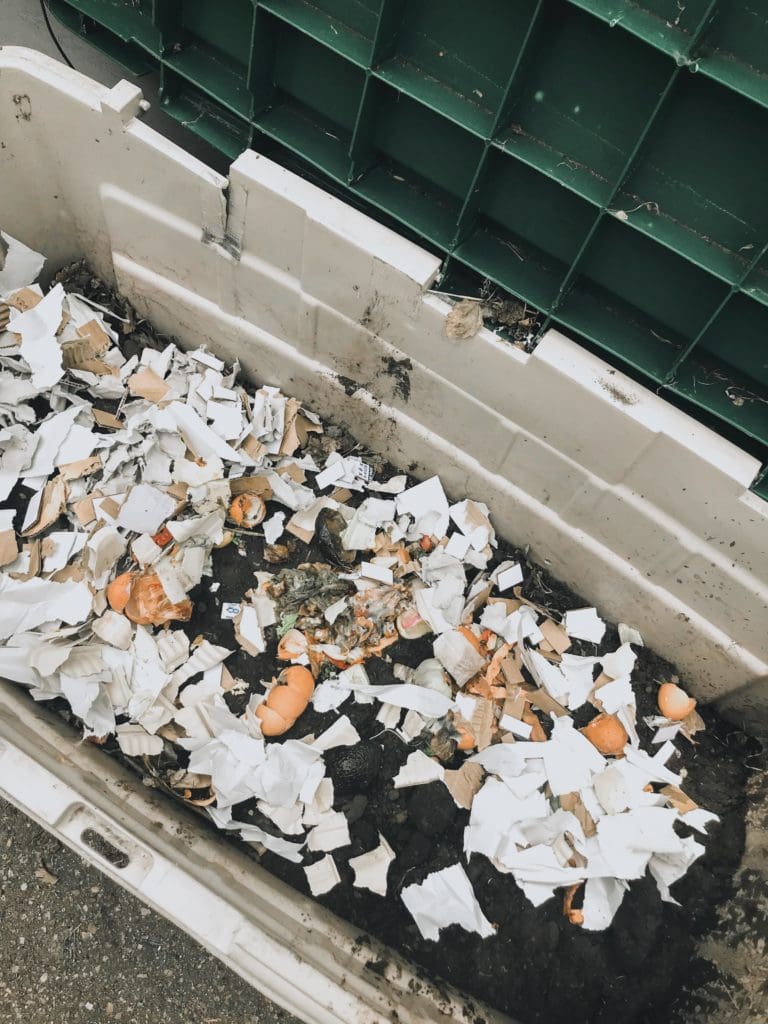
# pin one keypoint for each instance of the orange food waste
(140, 595)
(119, 591)
(247, 510)
(162, 537)
(674, 702)
(607, 734)
(286, 701)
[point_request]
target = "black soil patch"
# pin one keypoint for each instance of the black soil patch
(400, 371)
(538, 968)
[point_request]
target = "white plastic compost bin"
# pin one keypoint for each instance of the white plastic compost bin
(638, 507)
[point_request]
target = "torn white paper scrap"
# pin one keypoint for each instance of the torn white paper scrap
(570, 760)
(25, 605)
(39, 347)
(341, 734)
(282, 847)
(21, 267)
(322, 876)
(584, 624)
(418, 770)
(333, 611)
(145, 509)
(394, 485)
(135, 741)
(602, 898)
(332, 473)
(427, 702)
(518, 728)
(199, 438)
(248, 631)
(458, 656)
(331, 833)
(457, 546)
(113, 629)
(699, 819)
(427, 504)
(60, 547)
(620, 662)
(145, 551)
(444, 898)
(373, 571)
(507, 575)
(371, 868)
(667, 868)
(273, 527)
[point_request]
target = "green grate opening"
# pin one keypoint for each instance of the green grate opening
(603, 160)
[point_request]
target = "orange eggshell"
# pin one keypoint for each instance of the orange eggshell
(292, 645)
(286, 702)
(119, 591)
(674, 703)
(299, 679)
(466, 739)
(247, 509)
(607, 734)
(272, 724)
(148, 604)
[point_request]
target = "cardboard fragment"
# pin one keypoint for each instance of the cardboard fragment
(542, 700)
(254, 448)
(83, 467)
(511, 668)
(572, 802)
(106, 419)
(258, 485)
(84, 511)
(23, 299)
(9, 547)
(145, 383)
(678, 799)
(555, 636)
(464, 783)
(52, 502)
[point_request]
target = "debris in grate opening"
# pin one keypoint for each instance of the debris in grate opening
(385, 643)
(506, 315)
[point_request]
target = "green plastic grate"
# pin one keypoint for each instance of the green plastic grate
(603, 160)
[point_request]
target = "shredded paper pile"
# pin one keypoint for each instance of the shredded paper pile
(119, 480)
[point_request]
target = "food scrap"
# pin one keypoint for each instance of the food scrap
(122, 477)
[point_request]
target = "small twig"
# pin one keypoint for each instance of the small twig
(453, 295)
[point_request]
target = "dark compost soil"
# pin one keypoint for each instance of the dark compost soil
(538, 967)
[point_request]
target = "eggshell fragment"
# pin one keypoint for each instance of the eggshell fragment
(286, 701)
(148, 604)
(247, 510)
(411, 626)
(143, 600)
(292, 645)
(674, 702)
(119, 590)
(607, 734)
